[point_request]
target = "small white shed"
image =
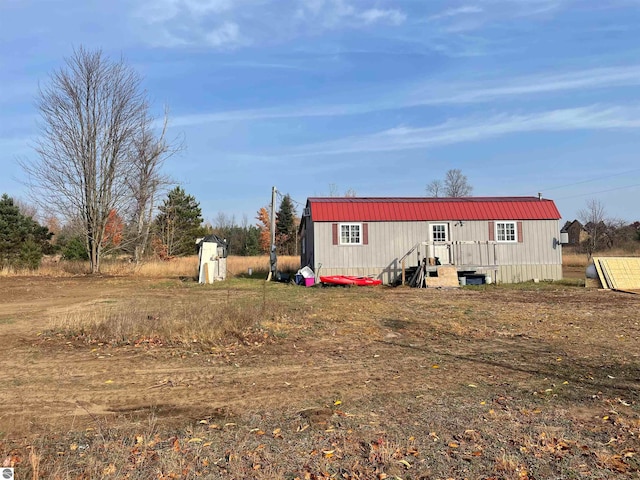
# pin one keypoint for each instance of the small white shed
(212, 259)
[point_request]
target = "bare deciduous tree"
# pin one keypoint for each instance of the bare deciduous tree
(434, 188)
(27, 209)
(146, 182)
(593, 218)
(96, 151)
(334, 191)
(456, 184)
(224, 221)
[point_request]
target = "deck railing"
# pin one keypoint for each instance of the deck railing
(471, 254)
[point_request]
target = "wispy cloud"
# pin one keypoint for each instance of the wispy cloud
(226, 34)
(489, 13)
(541, 83)
(453, 12)
(177, 23)
(539, 7)
(269, 114)
(158, 11)
(345, 13)
(374, 15)
(264, 65)
(233, 23)
(455, 131)
(431, 94)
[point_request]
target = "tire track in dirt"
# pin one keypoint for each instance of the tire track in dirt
(131, 384)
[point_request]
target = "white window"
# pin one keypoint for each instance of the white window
(439, 232)
(350, 234)
(506, 232)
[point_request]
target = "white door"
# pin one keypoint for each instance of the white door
(440, 239)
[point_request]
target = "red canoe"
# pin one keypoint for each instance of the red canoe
(349, 280)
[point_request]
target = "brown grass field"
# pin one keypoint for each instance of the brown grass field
(180, 266)
(143, 377)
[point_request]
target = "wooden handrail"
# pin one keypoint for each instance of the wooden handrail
(410, 251)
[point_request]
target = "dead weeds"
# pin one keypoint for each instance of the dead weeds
(494, 383)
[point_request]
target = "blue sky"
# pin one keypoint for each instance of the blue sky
(378, 96)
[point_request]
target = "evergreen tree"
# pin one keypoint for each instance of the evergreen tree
(74, 248)
(242, 240)
(252, 241)
(286, 227)
(179, 223)
(22, 240)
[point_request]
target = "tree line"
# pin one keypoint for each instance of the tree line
(173, 232)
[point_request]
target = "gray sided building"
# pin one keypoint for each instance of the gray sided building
(511, 239)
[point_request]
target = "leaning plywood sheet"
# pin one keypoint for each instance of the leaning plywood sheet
(622, 273)
(605, 271)
(603, 280)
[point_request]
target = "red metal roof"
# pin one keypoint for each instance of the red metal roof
(383, 209)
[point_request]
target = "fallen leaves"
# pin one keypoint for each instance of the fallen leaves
(328, 453)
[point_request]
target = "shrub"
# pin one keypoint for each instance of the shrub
(75, 249)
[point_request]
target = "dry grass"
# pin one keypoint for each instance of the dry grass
(260, 264)
(176, 267)
(192, 322)
(47, 270)
(572, 259)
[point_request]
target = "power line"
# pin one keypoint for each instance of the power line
(601, 191)
(281, 196)
(590, 180)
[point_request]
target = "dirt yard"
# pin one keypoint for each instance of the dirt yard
(530, 382)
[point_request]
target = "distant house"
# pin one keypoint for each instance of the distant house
(512, 238)
(576, 231)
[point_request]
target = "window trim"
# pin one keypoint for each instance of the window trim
(350, 243)
(446, 232)
(505, 222)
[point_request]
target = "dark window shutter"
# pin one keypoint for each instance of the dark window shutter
(365, 234)
(520, 239)
(334, 231)
(492, 231)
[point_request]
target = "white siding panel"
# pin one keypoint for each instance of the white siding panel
(525, 273)
(388, 243)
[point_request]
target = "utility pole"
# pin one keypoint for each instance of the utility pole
(273, 216)
(273, 258)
